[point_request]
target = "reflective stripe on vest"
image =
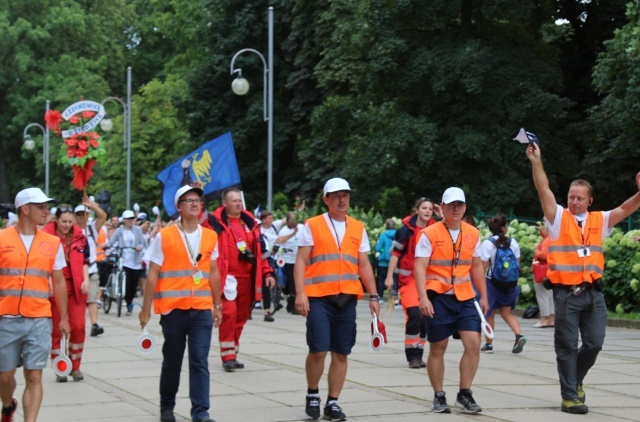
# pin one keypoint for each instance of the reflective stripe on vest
(176, 288)
(439, 276)
(25, 277)
(331, 269)
(565, 265)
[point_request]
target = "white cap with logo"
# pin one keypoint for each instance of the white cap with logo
(81, 208)
(335, 185)
(31, 196)
(185, 189)
(453, 195)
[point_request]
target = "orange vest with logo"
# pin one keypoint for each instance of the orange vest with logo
(331, 269)
(102, 238)
(565, 265)
(176, 287)
(443, 272)
(24, 277)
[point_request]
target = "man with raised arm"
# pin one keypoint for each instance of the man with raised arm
(576, 264)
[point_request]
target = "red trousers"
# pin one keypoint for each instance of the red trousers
(235, 314)
(77, 318)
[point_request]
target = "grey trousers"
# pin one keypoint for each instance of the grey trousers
(585, 314)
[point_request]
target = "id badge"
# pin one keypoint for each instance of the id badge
(242, 245)
(197, 277)
(584, 251)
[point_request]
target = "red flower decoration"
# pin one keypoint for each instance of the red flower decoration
(94, 135)
(71, 151)
(83, 145)
(74, 120)
(53, 118)
(72, 142)
(94, 143)
(88, 114)
(80, 152)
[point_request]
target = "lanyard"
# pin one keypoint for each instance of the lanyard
(194, 256)
(456, 252)
(336, 232)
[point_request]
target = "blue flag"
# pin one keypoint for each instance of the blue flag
(213, 166)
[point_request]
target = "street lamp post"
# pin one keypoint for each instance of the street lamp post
(240, 86)
(30, 144)
(106, 125)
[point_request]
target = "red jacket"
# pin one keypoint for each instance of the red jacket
(404, 247)
(218, 221)
(77, 258)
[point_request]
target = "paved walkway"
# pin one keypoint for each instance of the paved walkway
(121, 384)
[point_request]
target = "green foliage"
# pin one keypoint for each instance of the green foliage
(622, 271)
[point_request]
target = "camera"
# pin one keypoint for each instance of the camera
(247, 255)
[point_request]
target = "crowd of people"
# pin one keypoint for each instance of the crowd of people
(207, 270)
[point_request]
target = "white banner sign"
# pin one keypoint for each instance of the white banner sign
(79, 107)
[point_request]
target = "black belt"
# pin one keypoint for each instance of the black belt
(577, 289)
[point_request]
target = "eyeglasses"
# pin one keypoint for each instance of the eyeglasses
(190, 201)
(128, 218)
(64, 208)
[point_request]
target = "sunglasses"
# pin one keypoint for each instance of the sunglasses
(64, 208)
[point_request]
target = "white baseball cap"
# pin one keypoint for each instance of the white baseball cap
(141, 216)
(453, 195)
(31, 196)
(185, 189)
(128, 214)
(81, 208)
(230, 288)
(335, 185)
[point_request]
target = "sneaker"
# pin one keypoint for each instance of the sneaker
(519, 344)
(166, 415)
(77, 375)
(96, 330)
(466, 402)
(581, 394)
(415, 364)
(333, 412)
(61, 379)
(487, 348)
(440, 403)
(268, 317)
(99, 302)
(574, 406)
(312, 409)
(238, 365)
(423, 364)
(7, 413)
(258, 305)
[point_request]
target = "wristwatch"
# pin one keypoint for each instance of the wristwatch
(218, 306)
(374, 297)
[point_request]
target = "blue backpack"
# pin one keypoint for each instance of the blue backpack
(505, 270)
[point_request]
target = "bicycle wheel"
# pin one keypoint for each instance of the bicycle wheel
(106, 294)
(121, 280)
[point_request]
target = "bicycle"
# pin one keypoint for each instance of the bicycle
(116, 286)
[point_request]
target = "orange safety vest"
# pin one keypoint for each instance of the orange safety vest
(102, 238)
(565, 266)
(331, 269)
(24, 276)
(176, 288)
(441, 263)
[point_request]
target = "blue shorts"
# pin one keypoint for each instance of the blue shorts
(330, 328)
(451, 315)
(499, 299)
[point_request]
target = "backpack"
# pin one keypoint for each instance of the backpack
(505, 270)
